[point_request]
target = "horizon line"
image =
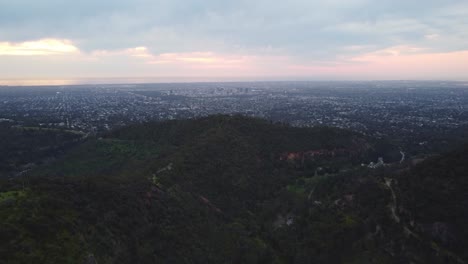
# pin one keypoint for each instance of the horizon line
(19, 82)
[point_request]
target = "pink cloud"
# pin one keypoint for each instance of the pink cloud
(414, 63)
(64, 60)
(400, 62)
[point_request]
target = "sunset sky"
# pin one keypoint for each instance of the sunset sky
(174, 40)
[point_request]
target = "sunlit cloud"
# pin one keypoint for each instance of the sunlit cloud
(307, 39)
(201, 58)
(407, 62)
(204, 58)
(399, 62)
(392, 51)
(64, 61)
(432, 36)
(38, 47)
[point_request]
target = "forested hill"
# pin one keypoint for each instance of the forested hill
(434, 199)
(220, 189)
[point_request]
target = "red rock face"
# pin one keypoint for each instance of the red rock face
(311, 154)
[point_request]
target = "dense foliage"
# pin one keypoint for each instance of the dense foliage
(222, 189)
(23, 147)
(435, 197)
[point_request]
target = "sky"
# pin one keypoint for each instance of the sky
(200, 40)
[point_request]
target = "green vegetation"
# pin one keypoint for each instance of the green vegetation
(434, 193)
(9, 195)
(22, 148)
(219, 190)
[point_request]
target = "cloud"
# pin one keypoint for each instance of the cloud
(399, 62)
(164, 36)
(432, 36)
(297, 26)
(37, 48)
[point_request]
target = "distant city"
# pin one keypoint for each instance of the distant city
(416, 113)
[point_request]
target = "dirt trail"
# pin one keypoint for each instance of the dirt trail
(393, 204)
(407, 229)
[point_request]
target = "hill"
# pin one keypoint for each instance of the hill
(25, 147)
(434, 200)
(221, 189)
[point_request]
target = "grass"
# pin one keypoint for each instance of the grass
(11, 195)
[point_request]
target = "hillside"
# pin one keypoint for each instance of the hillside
(434, 200)
(25, 147)
(222, 189)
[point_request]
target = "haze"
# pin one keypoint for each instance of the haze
(52, 42)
